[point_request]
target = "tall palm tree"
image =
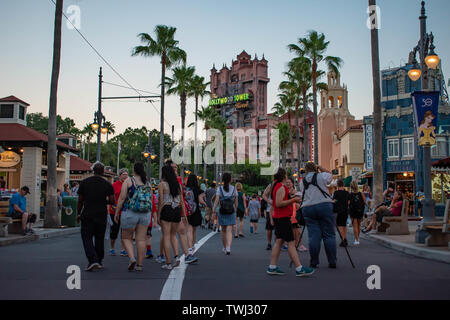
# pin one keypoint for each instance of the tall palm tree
(180, 84)
(287, 99)
(166, 47)
(89, 133)
(111, 129)
(52, 219)
(377, 141)
(198, 90)
(283, 131)
(314, 47)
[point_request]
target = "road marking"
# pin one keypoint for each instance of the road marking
(174, 283)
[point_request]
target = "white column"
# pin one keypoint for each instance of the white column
(31, 177)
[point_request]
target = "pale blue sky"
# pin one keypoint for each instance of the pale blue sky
(210, 32)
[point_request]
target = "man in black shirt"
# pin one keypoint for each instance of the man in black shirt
(94, 194)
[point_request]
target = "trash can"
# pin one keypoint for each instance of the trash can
(69, 212)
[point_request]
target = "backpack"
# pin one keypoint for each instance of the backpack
(141, 200)
(191, 205)
(356, 203)
(226, 203)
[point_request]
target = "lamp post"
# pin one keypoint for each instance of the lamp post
(428, 60)
(99, 118)
(150, 155)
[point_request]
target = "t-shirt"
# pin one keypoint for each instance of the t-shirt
(117, 186)
(341, 197)
(253, 207)
(95, 191)
(18, 200)
(209, 194)
(231, 191)
(397, 211)
(241, 201)
(313, 195)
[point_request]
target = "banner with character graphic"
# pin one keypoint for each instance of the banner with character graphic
(426, 105)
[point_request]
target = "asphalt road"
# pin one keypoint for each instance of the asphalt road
(37, 270)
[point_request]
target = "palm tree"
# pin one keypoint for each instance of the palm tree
(314, 47)
(287, 100)
(377, 141)
(89, 132)
(111, 129)
(52, 219)
(180, 84)
(283, 131)
(166, 47)
(198, 90)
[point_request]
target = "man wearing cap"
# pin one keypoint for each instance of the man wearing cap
(17, 210)
(94, 194)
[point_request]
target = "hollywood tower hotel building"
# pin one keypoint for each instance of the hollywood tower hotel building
(239, 93)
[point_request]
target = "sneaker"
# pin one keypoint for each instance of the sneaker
(112, 252)
(284, 248)
(139, 268)
(190, 251)
(92, 266)
(277, 271)
(269, 247)
(224, 250)
(228, 253)
(167, 266)
(149, 254)
(313, 265)
(356, 243)
(100, 266)
(176, 262)
(242, 236)
(332, 266)
(190, 259)
(132, 264)
(236, 236)
(123, 253)
(305, 271)
(161, 259)
(25, 232)
(30, 231)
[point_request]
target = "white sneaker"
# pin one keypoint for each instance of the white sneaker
(356, 243)
(224, 250)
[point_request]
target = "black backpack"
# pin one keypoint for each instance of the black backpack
(356, 203)
(227, 203)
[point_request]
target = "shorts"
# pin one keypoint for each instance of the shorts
(254, 220)
(384, 213)
(341, 219)
(268, 225)
(240, 213)
(295, 225)
(149, 232)
(195, 219)
(170, 214)
(356, 215)
(130, 219)
(283, 229)
(18, 215)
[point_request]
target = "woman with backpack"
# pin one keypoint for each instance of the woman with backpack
(194, 197)
(356, 208)
(241, 210)
(227, 196)
(136, 200)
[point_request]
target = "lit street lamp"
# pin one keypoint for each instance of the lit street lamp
(149, 155)
(428, 60)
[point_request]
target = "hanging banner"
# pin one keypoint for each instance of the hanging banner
(426, 106)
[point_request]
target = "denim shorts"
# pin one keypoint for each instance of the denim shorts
(130, 219)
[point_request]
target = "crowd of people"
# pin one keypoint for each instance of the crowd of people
(132, 208)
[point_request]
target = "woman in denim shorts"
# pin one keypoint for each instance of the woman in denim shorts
(133, 222)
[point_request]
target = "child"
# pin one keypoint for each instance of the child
(254, 208)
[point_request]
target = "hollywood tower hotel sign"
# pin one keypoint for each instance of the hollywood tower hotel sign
(240, 93)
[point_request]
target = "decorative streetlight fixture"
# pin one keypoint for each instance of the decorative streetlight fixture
(104, 130)
(415, 73)
(149, 155)
(97, 125)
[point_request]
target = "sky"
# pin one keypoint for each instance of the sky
(211, 32)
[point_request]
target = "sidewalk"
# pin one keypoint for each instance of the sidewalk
(407, 244)
(40, 233)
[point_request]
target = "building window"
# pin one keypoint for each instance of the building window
(438, 150)
(6, 111)
(393, 148)
(408, 147)
(21, 112)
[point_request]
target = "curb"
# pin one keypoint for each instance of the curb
(412, 250)
(40, 235)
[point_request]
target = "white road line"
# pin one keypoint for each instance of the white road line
(174, 283)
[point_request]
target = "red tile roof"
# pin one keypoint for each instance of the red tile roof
(66, 135)
(13, 99)
(78, 164)
(18, 132)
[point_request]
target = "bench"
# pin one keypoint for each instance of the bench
(7, 224)
(439, 230)
(393, 225)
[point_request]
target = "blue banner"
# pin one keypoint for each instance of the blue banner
(426, 105)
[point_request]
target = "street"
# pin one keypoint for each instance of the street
(37, 270)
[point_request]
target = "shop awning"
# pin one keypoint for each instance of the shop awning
(443, 163)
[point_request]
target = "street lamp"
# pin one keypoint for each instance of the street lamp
(149, 155)
(99, 120)
(104, 130)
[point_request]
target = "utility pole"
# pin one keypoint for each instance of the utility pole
(99, 114)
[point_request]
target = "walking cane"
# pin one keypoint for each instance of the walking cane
(298, 243)
(346, 250)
